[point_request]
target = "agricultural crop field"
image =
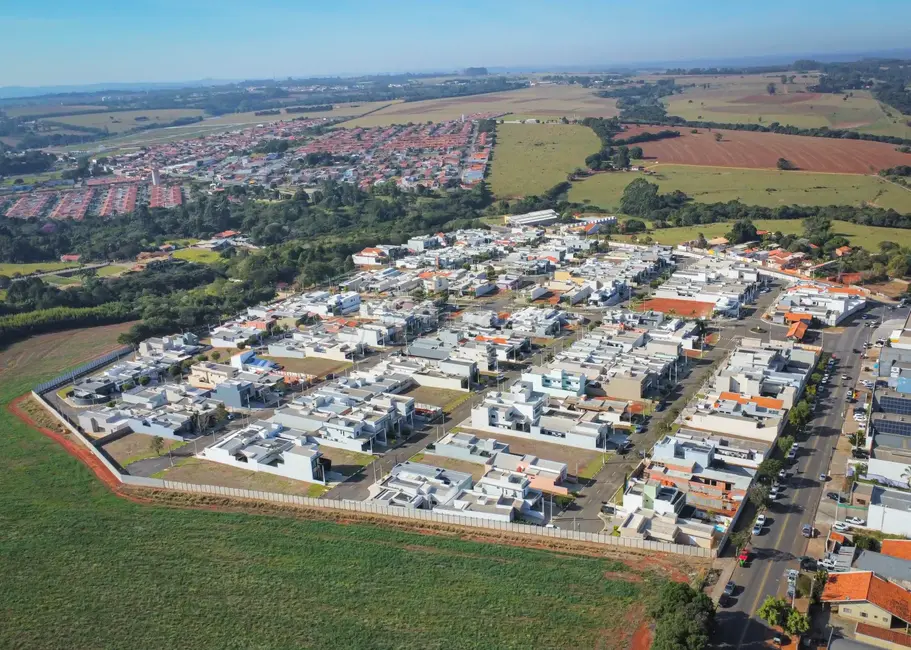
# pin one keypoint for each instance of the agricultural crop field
(765, 187)
(50, 109)
(531, 158)
(867, 236)
(80, 565)
(540, 101)
(762, 151)
(745, 100)
(119, 121)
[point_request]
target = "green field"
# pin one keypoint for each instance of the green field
(546, 100)
(63, 280)
(120, 121)
(82, 568)
(200, 255)
(25, 269)
(752, 186)
(111, 270)
(867, 236)
(532, 158)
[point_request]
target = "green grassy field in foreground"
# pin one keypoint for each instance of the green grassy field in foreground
(25, 269)
(532, 158)
(81, 568)
(765, 187)
(199, 255)
(867, 236)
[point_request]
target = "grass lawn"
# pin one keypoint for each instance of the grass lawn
(112, 270)
(119, 121)
(36, 267)
(199, 255)
(765, 187)
(867, 236)
(207, 472)
(78, 562)
(435, 396)
(63, 280)
(532, 158)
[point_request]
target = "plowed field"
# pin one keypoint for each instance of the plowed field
(762, 150)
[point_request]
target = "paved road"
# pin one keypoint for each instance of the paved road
(583, 513)
(781, 543)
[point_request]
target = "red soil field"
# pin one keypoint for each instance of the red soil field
(757, 150)
(675, 307)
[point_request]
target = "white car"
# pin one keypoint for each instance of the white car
(826, 563)
(782, 475)
(856, 521)
(792, 576)
(840, 526)
(773, 493)
(760, 520)
(795, 447)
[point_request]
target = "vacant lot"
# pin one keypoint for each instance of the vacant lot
(532, 158)
(61, 591)
(199, 255)
(540, 101)
(136, 446)
(206, 472)
(310, 365)
(751, 186)
(867, 236)
(575, 459)
(475, 469)
(762, 151)
(119, 121)
(434, 396)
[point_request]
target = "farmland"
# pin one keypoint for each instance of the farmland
(120, 121)
(751, 186)
(745, 100)
(37, 267)
(762, 150)
(532, 158)
(867, 236)
(540, 101)
(75, 555)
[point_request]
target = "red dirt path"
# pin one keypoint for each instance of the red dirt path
(69, 445)
(757, 150)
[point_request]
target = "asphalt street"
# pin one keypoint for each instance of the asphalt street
(781, 544)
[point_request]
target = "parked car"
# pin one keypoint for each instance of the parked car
(807, 563)
(835, 496)
(782, 475)
(823, 477)
(760, 520)
(792, 576)
(757, 529)
(840, 527)
(792, 456)
(730, 588)
(845, 377)
(807, 530)
(826, 563)
(856, 521)
(773, 493)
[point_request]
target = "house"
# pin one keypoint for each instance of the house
(416, 485)
(881, 609)
(70, 257)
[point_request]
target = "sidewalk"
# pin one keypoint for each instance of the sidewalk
(727, 566)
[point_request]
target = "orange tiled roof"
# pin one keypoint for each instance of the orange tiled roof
(866, 586)
(900, 548)
(767, 402)
(793, 316)
(798, 330)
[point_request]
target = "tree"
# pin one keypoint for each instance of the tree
(785, 443)
(796, 623)
(784, 79)
(719, 137)
(633, 225)
(866, 543)
(684, 618)
(740, 539)
(799, 414)
(759, 496)
(157, 445)
(769, 468)
(144, 380)
(491, 274)
(636, 153)
(620, 159)
(701, 241)
(859, 439)
(771, 89)
(742, 231)
(819, 583)
(785, 165)
(773, 611)
(640, 198)
(202, 357)
(215, 356)
(221, 413)
(175, 370)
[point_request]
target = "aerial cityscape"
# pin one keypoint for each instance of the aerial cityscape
(595, 333)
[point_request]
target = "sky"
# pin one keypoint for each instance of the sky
(56, 42)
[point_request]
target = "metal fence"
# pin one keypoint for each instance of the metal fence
(376, 509)
(85, 368)
(420, 515)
